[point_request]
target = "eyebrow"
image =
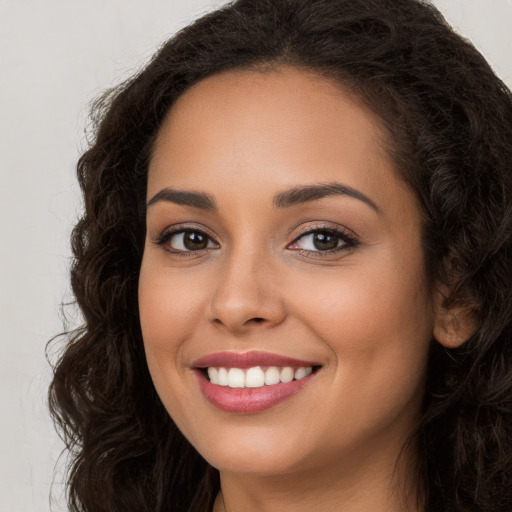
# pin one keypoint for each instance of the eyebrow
(184, 197)
(301, 195)
(292, 197)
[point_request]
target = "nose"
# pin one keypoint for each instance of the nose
(247, 296)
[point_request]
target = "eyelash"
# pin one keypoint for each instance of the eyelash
(166, 236)
(347, 238)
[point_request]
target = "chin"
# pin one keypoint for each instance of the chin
(256, 465)
(253, 454)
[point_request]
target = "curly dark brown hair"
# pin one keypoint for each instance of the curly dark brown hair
(450, 122)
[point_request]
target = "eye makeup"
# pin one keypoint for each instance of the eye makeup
(320, 240)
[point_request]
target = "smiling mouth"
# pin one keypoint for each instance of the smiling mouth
(251, 382)
(256, 376)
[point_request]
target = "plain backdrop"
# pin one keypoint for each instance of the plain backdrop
(55, 56)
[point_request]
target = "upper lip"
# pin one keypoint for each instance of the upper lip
(249, 360)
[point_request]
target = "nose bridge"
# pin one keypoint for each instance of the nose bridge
(246, 293)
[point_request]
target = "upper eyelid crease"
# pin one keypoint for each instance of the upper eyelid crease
(337, 228)
(342, 233)
(172, 231)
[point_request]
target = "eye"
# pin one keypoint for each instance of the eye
(186, 240)
(327, 240)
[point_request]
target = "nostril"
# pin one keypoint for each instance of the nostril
(257, 320)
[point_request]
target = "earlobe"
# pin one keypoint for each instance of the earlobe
(453, 325)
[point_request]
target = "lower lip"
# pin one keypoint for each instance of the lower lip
(249, 400)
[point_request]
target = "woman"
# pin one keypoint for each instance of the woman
(294, 269)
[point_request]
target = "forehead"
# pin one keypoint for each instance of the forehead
(270, 103)
(277, 127)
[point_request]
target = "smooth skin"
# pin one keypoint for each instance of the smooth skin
(251, 275)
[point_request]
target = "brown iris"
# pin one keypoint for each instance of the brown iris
(324, 240)
(195, 241)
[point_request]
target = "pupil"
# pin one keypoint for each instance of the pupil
(325, 241)
(195, 241)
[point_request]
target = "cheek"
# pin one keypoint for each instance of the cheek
(168, 305)
(379, 302)
(378, 325)
(168, 308)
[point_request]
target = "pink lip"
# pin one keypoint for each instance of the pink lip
(249, 400)
(249, 360)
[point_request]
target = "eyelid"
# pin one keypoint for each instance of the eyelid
(349, 237)
(170, 231)
(346, 235)
(336, 228)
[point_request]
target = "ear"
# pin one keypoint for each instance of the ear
(453, 324)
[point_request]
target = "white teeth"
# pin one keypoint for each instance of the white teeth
(255, 377)
(287, 374)
(272, 376)
(236, 378)
(223, 377)
(213, 374)
(300, 373)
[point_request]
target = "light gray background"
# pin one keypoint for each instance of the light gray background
(55, 56)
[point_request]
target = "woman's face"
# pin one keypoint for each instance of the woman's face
(281, 244)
